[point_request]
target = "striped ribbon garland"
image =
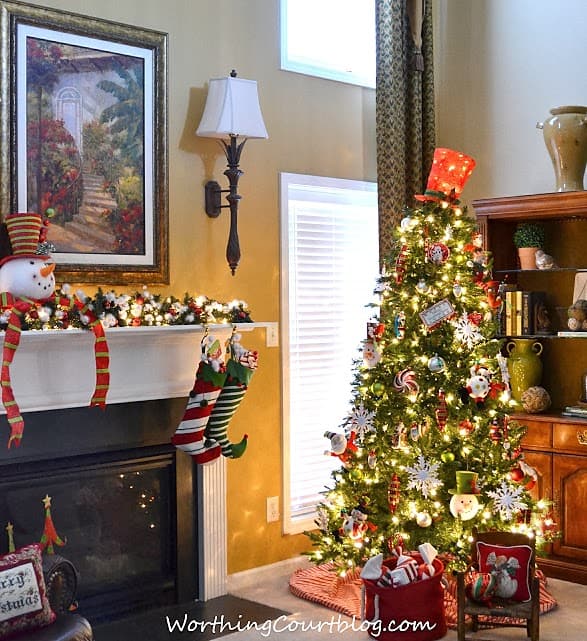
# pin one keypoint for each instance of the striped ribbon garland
(18, 306)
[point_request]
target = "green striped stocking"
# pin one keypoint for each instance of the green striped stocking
(239, 368)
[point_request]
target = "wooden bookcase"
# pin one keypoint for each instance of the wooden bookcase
(555, 445)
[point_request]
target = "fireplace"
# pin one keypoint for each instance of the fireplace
(133, 551)
(118, 498)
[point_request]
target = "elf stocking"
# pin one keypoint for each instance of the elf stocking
(240, 367)
(210, 378)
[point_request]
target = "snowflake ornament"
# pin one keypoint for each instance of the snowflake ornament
(507, 500)
(362, 421)
(466, 331)
(424, 477)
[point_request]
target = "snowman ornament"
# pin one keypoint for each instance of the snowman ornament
(27, 279)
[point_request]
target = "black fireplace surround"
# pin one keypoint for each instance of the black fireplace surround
(122, 497)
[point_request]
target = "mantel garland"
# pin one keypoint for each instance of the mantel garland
(130, 310)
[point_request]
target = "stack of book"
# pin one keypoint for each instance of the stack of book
(576, 411)
(523, 313)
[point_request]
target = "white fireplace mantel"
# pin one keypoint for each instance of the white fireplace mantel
(55, 369)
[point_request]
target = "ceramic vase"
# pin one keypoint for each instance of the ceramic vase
(524, 365)
(565, 136)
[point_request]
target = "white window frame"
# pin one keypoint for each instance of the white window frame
(338, 27)
(338, 192)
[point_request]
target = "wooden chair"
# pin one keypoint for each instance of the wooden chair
(502, 608)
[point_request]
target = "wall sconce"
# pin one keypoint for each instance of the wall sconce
(232, 110)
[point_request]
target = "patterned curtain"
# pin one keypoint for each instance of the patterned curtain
(404, 108)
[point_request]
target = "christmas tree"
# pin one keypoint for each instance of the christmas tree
(429, 450)
(49, 538)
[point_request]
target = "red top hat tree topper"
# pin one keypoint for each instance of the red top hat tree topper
(448, 175)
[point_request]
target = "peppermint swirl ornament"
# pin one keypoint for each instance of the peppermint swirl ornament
(405, 382)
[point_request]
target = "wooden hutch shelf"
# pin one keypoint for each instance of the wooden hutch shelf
(555, 445)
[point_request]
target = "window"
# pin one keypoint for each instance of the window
(329, 267)
(332, 39)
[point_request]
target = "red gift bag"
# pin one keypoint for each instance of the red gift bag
(412, 612)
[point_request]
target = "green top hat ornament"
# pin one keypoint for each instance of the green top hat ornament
(466, 483)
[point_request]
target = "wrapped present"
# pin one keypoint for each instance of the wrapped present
(405, 571)
(428, 553)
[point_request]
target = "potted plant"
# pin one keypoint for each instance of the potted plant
(528, 238)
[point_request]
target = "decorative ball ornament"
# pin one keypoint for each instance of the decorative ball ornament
(478, 387)
(408, 224)
(447, 457)
(436, 364)
(516, 474)
(437, 253)
(423, 519)
(355, 474)
(422, 286)
(378, 388)
(481, 586)
(535, 399)
(457, 289)
(464, 506)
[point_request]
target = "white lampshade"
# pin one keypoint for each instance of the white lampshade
(232, 107)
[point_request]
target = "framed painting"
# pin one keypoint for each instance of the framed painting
(83, 134)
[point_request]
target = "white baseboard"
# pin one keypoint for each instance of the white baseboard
(254, 576)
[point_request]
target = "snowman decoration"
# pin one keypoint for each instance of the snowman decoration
(464, 504)
(26, 279)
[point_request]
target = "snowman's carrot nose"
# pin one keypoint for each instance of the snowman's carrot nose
(47, 269)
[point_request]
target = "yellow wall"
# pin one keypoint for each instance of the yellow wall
(315, 126)
(500, 66)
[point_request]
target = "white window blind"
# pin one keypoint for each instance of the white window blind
(329, 270)
(332, 39)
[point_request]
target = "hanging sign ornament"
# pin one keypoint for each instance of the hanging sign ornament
(433, 316)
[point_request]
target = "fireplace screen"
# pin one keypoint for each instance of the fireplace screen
(116, 518)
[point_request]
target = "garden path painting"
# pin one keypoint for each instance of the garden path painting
(85, 147)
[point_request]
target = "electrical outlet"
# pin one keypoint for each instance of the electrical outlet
(272, 509)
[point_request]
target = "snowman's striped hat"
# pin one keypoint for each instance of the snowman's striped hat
(24, 232)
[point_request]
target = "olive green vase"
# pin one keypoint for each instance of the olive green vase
(524, 365)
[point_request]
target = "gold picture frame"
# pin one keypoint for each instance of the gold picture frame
(83, 135)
